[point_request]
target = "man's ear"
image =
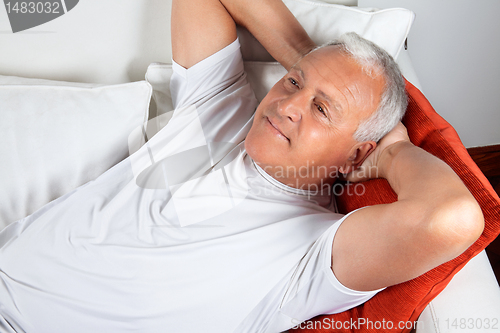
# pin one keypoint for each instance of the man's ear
(358, 155)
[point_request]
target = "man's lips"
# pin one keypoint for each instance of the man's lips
(276, 128)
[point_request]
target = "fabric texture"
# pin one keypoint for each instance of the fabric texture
(58, 135)
(405, 302)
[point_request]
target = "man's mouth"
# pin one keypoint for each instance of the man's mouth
(276, 129)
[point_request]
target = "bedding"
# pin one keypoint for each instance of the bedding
(57, 136)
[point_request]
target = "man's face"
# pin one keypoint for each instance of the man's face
(307, 120)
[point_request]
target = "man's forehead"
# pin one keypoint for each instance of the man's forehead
(323, 83)
(315, 55)
(335, 76)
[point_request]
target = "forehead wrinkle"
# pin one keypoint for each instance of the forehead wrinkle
(351, 88)
(348, 86)
(336, 106)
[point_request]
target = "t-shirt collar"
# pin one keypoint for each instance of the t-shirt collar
(287, 188)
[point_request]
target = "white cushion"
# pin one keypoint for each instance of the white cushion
(323, 22)
(57, 136)
(469, 303)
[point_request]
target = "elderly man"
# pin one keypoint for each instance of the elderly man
(223, 233)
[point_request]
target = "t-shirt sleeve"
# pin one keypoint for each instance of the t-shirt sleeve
(207, 78)
(214, 95)
(314, 289)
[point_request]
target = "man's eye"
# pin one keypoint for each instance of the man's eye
(292, 81)
(320, 109)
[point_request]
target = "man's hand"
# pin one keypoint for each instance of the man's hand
(372, 166)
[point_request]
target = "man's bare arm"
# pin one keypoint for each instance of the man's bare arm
(274, 26)
(434, 220)
(200, 28)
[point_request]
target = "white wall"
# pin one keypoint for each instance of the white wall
(455, 49)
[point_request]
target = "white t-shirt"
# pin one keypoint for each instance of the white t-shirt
(186, 235)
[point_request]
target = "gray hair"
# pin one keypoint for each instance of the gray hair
(393, 102)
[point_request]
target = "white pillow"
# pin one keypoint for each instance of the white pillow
(387, 28)
(58, 135)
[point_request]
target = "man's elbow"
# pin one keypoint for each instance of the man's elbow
(460, 223)
(471, 219)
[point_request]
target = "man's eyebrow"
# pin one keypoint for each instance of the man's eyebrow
(333, 105)
(297, 69)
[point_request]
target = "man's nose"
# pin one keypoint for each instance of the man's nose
(293, 105)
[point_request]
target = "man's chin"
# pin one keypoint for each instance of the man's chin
(254, 148)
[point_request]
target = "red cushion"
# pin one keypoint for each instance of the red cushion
(404, 302)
